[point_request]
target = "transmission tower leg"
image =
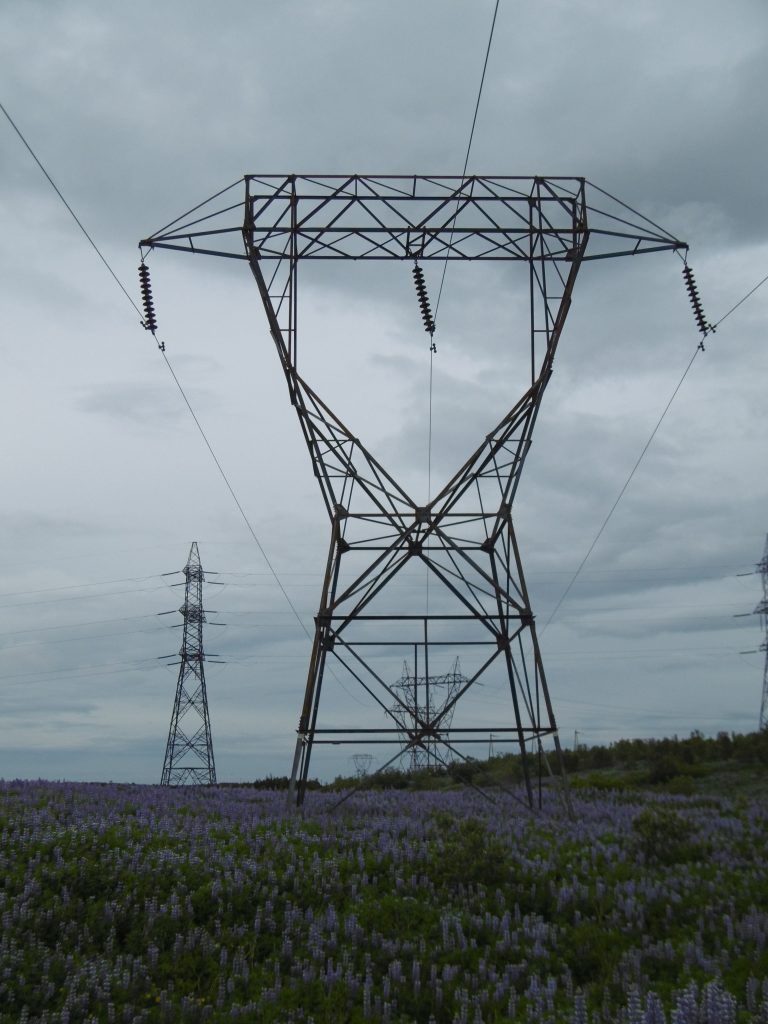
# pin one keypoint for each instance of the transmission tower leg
(170, 746)
(321, 644)
(540, 675)
(762, 611)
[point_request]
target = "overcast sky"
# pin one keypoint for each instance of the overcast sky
(140, 111)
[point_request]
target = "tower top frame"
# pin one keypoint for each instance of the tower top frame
(405, 217)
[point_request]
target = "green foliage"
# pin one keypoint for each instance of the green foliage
(591, 952)
(680, 785)
(664, 768)
(215, 896)
(671, 764)
(663, 836)
(607, 781)
(465, 772)
(468, 854)
(672, 756)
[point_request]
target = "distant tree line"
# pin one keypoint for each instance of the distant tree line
(645, 761)
(746, 748)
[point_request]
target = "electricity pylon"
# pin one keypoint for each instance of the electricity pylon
(189, 751)
(762, 611)
(425, 697)
(463, 535)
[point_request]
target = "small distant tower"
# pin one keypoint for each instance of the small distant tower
(762, 611)
(362, 763)
(189, 753)
(426, 703)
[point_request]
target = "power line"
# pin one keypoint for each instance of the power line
(727, 567)
(208, 445)
(81, 597)
(161, 347)
(605, 707)
(119, 666)
(76, 639)
(229, 487)
(76, 625)
(76, 219)
(168, 364)
(741, 300)
(627, 482)
(469, 144)
(699, 348)
(78, 586)
(445, 268)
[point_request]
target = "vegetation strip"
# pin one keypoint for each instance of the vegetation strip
(129, 904)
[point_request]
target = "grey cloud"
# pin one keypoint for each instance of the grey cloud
(148, 405)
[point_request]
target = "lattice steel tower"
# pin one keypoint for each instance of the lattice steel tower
(424, 699)
(464, 534)
(189, 752)
(762, 611)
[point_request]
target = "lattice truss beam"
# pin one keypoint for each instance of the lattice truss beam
(464, 536)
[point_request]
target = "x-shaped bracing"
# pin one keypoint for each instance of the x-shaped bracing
(464, 537)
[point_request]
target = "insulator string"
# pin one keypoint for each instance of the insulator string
(698, 310)
(421, 294)
(145, 285)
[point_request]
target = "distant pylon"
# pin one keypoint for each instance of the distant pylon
(362, 763)
(762, 611)
(189, 752)
(425, 699)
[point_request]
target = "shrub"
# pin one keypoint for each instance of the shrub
(662, 836)
(469, 854)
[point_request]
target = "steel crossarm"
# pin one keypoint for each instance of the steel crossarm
(432, 217)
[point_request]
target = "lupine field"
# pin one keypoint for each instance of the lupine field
(130, 903)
